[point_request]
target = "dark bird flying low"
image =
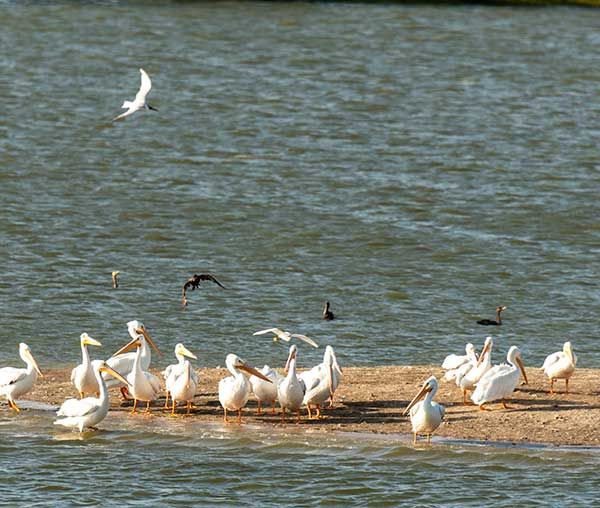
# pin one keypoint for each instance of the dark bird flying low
(194, 282)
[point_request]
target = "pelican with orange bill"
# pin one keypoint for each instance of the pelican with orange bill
(234, 390)
(425, 415)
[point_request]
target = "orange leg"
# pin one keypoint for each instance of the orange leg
(134, 406)
(167, 400)
(414, 438)
(551, 386)
(147, 406)
(465, 397)
(567, 384)
(189, 406)
(282, 415)
(298, 416)
(273, 407)
(225, 415)
(482, 408)
(259, 407)
(173, 409)
(81, 395)
(239, 418)
(309, 413)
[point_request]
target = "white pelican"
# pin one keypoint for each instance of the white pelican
(560, 365)
(122, 361)
(183, 387)
(86, 413)
(467, 378)
(144, 386)
(426, 415)
(311, 377)
(140, 98)
(266, 392)
(16, 382)
(82, 376)
(286, 336)
(291, 390)
(176, 369)
(452, 362)
(235, 390)
(500, 381)
(320, 388)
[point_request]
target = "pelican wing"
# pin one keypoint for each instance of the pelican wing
(552, 359)
(145, 87)
(306, 339)
(276, 331)
(11, 375)
(453, 361)
(78, 407)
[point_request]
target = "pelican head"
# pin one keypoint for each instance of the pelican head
(135, 329)
(27, 357)
(487, 346)
(291, 356)
(86, 340)
(514, 357)
(429, 386)
(235, 363)
(181, 350)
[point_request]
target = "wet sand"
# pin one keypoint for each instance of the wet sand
(372, 399)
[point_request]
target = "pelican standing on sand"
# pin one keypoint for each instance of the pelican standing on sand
(16, 382)
(286, 336)
(291, 390)
(83, 376)
(320, 388)
(144, 386)
(318, 372)
(88, 412)
(183, 386)
(425, 415)
(560, 365)
(122, 361)
(140, 98)
(266, 392)
(466, 379)
(173, 371)
(500, 381)
(235, 389)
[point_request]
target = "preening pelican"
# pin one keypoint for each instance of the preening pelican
(320, 388)
(453, 361)
(183, 387)
(266, 392)
(235, 390)
(16, 382)
(83, 376)
(144, 386)
(286, 336)
(173, 371)
(122, 361)
(425, 415)
(86, 413)
(560, 365)
(466, 379)
(291, 390)
(140, 98)
(500, 381)
(318, 372)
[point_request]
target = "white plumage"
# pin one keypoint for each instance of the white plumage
(183, 387)
(83, 376)
(560, 365)
(144, 385)
(500, 381)
(235, 389)
(264, 391)
(466, 378)
(88, 412)
(453, 361)
(425, 415)
(140, 98)
(173, 371)
(16, 382)
(286, 336)
(291, 390)
(319, 372)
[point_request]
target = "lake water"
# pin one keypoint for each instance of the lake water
(416, 165)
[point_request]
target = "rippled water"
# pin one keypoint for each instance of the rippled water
(416, 165)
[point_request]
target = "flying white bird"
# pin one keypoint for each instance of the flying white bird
(286, 336)
(140, 98)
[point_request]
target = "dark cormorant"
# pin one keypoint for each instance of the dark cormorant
(493, 322)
